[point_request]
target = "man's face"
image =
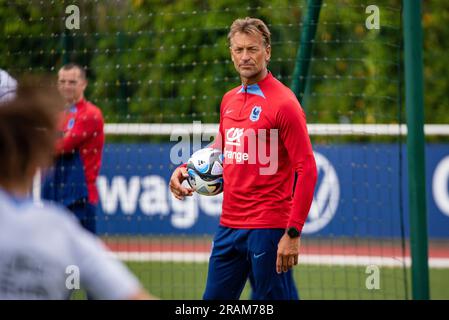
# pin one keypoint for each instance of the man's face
(71, 85)
(249, 54)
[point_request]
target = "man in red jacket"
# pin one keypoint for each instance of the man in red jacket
(72, 182)
(262, 219)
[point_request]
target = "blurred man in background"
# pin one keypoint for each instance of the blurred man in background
(72, 182)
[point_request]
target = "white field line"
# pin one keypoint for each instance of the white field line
(305, 259)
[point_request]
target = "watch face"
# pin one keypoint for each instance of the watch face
(293, 232)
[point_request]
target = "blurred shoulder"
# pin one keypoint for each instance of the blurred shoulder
(93, 109)
(47, 214)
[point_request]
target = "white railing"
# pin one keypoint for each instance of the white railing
(145, 129)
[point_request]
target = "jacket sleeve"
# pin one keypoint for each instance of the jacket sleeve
(291, 122)
(84, 127)
(218, 141)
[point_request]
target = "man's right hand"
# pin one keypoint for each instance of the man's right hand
(178, 176)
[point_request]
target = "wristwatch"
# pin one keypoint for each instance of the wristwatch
(293, 232)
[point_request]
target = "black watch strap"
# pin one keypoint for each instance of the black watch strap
(293, 232)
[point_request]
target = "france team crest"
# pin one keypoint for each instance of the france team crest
(255, 113)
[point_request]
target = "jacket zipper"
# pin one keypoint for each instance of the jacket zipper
(244, 102)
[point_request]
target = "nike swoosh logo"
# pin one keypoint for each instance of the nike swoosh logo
(228, 111)
(256, 256)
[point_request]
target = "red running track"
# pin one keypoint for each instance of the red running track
(312, 249)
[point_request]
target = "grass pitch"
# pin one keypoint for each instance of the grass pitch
(182, 281)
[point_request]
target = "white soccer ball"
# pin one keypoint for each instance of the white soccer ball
(205, 169)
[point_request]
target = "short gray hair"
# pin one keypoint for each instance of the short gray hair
(250, 26)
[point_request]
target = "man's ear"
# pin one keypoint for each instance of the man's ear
(268, 52)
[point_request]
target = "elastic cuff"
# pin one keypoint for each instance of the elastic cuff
(297, 225)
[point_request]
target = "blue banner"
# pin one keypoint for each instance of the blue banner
(361, 192)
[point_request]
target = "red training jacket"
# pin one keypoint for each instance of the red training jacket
(258, 181)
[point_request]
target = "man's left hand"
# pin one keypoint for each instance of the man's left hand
(287, 255)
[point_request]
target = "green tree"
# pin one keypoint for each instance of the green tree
(168, 61)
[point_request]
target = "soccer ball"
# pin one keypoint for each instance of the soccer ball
(205, 169)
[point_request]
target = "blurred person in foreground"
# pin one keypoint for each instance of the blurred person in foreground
(44, 252)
